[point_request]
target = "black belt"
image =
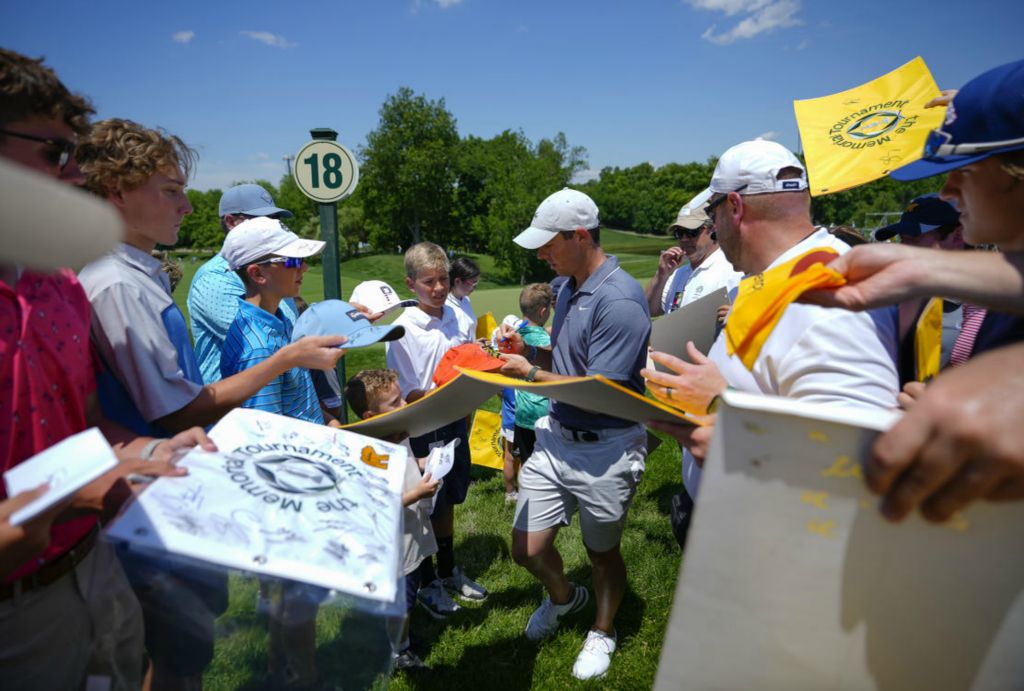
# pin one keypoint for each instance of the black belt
(54, 570)
(583, 435)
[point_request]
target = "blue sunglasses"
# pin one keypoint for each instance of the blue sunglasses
(289, 262)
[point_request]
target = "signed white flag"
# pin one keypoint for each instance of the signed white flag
(284, 498)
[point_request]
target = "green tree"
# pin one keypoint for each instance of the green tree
(201, 228)
(408, 172)
(500, 182)
(860, 207)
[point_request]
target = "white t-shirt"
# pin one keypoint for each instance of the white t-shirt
(418, 540)
(816, 354)
(465, 315)
(687, 284)
(416, 354)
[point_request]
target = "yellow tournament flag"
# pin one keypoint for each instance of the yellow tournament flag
(928, 340)
(485, 326)
(485, 440)
(862, 134)
(763, 298)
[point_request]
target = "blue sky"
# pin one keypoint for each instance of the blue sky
(674, 80)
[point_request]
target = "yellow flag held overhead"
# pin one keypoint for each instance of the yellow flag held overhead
(862, 134)
(485, 440)
(485, 325)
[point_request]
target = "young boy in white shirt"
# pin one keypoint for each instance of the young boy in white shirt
(431, 329)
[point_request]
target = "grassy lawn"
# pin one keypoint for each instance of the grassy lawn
(484, 643)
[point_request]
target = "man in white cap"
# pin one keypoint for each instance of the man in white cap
(216, 289)
(581, 459)
(676, 284)
(761, 210)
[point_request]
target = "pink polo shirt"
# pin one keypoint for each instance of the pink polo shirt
(46, 376)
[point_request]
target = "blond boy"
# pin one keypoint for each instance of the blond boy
(431, 329)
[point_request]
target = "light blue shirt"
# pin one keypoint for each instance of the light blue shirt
(254, 336)
(212, 305)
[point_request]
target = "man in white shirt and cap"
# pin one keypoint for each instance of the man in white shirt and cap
(761, 210)
(676, 284)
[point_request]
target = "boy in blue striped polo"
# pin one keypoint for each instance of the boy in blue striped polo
(270, 260)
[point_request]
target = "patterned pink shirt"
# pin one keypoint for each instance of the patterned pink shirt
(46, 376)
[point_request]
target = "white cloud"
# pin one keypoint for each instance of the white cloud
(730, 7)
(803, 44)
(762, 16)
(770, 135)
(445, 4)
(183, 36)
(269, 39)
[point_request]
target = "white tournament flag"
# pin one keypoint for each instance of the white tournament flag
(284, 498)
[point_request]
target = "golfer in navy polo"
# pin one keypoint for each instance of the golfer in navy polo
(581, 459)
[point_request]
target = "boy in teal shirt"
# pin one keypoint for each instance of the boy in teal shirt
(535, 303)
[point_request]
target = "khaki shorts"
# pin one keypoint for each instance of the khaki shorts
(87, 623)
(599, 477)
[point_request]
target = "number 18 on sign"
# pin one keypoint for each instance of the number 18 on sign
(326, 171)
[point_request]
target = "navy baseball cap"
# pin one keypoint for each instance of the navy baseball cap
(985, 118)
(250, 199)
(337, 317)
(923, 215)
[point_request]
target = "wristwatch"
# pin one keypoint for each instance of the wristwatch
(532, 374)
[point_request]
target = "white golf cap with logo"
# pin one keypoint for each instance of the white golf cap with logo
(378, 296)
(692, 215)
(753, 168)
(565, 210)
(256, 238)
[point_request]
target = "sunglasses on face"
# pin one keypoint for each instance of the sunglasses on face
(713, 205)
(691, 233)
(58, 150)
(289, 262)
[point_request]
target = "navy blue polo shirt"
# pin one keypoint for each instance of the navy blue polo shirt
(601, 327)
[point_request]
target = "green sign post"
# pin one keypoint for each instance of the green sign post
(327, 172)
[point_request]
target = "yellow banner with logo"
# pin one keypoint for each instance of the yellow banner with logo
(862, 134)
(485, 446)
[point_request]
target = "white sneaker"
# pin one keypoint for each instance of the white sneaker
(596, 656)
(544, 620)
(464, 586)
(435, 599)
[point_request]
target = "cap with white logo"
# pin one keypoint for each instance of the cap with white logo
(250, 199)
(255, 238)
(378, 296)
(564, 210)
(753, 168)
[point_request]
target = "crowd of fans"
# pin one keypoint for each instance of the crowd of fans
(108, 348)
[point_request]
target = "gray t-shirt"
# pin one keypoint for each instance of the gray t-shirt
(601, 327)
(141, 337)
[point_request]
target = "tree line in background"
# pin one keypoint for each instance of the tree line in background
(420, 180)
